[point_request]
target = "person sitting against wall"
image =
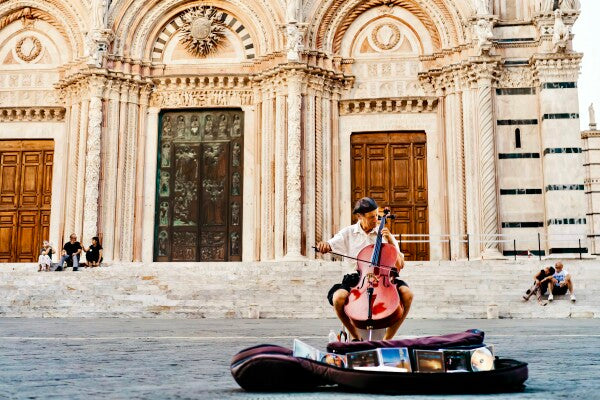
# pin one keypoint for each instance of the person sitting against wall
(541, 280)
(71, 250)
(45, 258)
(93, 254)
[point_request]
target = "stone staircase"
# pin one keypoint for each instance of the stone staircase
(459, 289)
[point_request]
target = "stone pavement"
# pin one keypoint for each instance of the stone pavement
(189, 359)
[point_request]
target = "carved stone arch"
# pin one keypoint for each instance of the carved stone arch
(141, 23)
(174, 25)
(58, 17)
(444, 22)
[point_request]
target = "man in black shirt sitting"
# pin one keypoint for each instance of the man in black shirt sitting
(71, 249)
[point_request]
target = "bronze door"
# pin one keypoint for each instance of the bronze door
(25, 198)
(199, 186)
(392, 169)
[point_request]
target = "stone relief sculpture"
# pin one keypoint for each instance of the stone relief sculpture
(235, 244)
(99, 8)
(561, 32)
(294, 43)
(484, 34)
(212, 154)
(592, 116)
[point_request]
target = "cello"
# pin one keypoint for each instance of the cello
(374, 302)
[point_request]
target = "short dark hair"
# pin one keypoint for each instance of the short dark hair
(552, 270)
(97, 239)
(364, 205)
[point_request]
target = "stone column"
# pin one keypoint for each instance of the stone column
(267, 176)
(79, 168)
(280, 152)
(327, 166)
(150, 169)
(109, 191)
(472, 170)
(140, 181)
(309, 172)
(452, 152)
(561, 152)
(294, 183)
(121, 177)
(71, 156)
(92, 168)
(487, 166)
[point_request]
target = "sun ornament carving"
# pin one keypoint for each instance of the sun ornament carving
(386, 36)
(202, 31)
(28, 48)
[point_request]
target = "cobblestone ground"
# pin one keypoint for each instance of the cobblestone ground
(181, 359)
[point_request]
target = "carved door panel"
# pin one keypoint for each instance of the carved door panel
(25, 197)
(199, 186)
(392, 169)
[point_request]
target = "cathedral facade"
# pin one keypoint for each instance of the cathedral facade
(244, 130)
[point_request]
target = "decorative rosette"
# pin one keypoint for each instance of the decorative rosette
(202, 31)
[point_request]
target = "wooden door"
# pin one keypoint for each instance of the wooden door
(199, 186)
(392, 169)
(25, 198)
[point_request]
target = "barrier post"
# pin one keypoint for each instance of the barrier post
(468, 248)
(540, 246)
(515, 248)
(400, 242)
(450, 247)
(580, 250)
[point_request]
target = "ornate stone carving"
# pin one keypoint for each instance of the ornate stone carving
(482, 7)
(592, 113)
(28, 48)
(390, 105)
(201, 98)
(202, 31)
(516, 77)
(561, 34)
(487, 159)
(37, 114)
(98, 14)
(295, 37)
(294, 183)
(569, 4)
(293, 11)
(484, 35)
(92, 170)
(386, 36)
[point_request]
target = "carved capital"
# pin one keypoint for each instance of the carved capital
(556, 67)
(32, 114)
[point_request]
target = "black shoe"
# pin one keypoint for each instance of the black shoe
(75, 269)
(528, 291)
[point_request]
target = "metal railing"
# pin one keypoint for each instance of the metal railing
(539, 243)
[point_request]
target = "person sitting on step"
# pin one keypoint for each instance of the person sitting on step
(45, 258)
(71, 251)
(561, 282)
(541, 280)
(93, 254)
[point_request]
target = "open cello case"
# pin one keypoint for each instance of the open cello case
(270, 368)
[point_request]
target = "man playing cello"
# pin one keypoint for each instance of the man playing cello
(350, 241)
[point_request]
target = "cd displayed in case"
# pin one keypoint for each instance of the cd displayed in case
(482, 360)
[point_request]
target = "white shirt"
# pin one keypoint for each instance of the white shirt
(560, 276)
(352, 239)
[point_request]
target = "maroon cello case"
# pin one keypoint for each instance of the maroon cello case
(270, 368)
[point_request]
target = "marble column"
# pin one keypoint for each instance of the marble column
(280, 153)
(79, 169)
(326, 166)
(149, 200)
(591, 149)
(140, 175)
(452, 153)
(121, 177)
(267, 177)
(109, 191)
(92, 167)
(310, 153)
(487, 168)
(71, 157)
(294, 184)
